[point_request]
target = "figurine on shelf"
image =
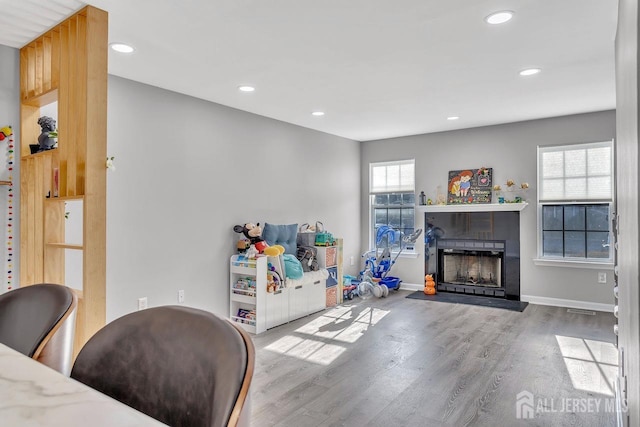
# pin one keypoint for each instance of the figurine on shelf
(423, 199)
(47, 140)
(441, 198)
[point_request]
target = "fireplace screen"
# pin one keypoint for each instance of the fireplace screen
(481, 268)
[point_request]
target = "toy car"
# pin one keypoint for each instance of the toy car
(348, 292)
(324, 239)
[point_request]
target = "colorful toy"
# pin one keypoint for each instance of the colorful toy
(5, 132)
(274, 281)
(349, 287)
(379, 261)
(274, 250)
(243, 245)
(325, 239)
(429, 285)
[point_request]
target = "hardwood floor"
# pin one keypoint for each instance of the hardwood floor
(404, 362)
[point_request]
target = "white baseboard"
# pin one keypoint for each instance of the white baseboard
(569, 303)
(412, 287)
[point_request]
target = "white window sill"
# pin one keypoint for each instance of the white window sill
(595, 265)
(409, 254)
(405, 254)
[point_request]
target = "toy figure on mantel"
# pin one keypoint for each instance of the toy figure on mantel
(48, 127)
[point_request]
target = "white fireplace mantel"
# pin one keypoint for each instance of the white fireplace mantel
(479, 207)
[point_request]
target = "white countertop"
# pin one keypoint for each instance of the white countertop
(32, 394)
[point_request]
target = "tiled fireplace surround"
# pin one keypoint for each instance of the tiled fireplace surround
(474, 252)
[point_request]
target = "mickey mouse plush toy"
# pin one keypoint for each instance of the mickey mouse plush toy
(252, 232)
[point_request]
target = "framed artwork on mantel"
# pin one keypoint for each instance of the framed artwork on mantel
(469, 186)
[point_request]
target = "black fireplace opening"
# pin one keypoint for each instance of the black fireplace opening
(472, 267)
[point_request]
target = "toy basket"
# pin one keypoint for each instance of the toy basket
(306, 237)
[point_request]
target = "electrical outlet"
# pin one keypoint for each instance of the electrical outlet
(181, 296)
(352, 261)
(602, 277)
(142, 303)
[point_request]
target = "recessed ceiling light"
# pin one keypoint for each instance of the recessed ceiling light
(530, 71)
(318, 113)
(246, 88)
(453, 118)
(122, 47)
(499, 17)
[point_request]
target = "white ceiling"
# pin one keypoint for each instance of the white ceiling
(378, 68)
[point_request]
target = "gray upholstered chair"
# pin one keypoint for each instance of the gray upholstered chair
(179, 365)
(39, 321)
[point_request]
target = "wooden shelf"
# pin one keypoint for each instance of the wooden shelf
(63, 199)
(45, 98)
(64, 246)
(5, 182)
(40, 154)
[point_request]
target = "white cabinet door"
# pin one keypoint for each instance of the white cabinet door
(298, 301)
(277, 308)
(317, 296)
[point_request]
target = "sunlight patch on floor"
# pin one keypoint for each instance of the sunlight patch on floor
(307, 349)
(344, 324)
(592, 365)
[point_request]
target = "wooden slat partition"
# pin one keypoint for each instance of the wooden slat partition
(46, 62)
(56, 54)
(53, 217)
(76, 167)
(64, 102)
(95, 177)
(67, 65)
(74, 83)
(32, 69)
(39, 51)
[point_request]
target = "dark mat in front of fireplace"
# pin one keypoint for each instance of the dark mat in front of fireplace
(471, 300)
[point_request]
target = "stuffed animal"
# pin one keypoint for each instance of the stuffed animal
(252, 232)
(251, 252)
(243, 245)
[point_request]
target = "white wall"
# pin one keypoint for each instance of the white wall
(188, 170)
(9, 115)
(509, 149)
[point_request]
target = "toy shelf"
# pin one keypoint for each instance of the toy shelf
(252, 299)
(255, 309)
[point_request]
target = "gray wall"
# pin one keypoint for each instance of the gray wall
(628, 183)
(9, 115)
(509, 149)
(188, 170)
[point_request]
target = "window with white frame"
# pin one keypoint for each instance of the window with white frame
(392, 200)
(575, 201)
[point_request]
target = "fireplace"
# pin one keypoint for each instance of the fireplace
(474, 253)
(471, 266)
